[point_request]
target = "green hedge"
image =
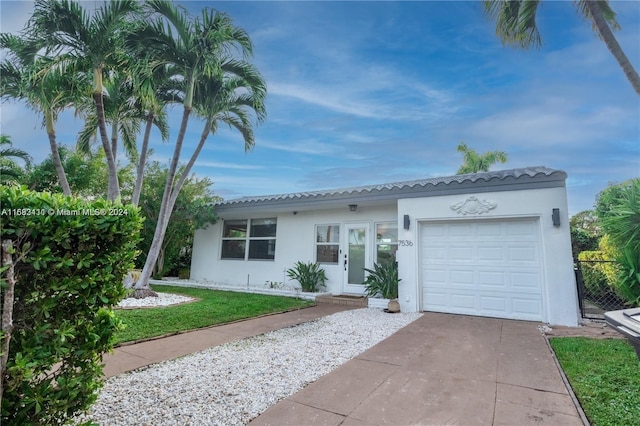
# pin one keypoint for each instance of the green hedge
(70, 257)
(598, 272)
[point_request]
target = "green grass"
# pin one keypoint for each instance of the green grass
(216, 307)
(604, 375)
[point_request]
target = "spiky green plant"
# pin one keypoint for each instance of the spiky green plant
(382, 279)
(310, 276)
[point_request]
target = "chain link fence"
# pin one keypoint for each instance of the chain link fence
(596, 293)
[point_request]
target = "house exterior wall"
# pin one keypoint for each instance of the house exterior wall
(295, 241)
(559, 289)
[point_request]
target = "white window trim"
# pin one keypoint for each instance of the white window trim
(316, 243)
(247, 239)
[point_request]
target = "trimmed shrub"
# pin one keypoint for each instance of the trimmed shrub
(70, 259)
(593, 272)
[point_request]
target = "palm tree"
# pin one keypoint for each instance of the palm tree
(516, 25)
(195, 51)
(86, 43)
(9, 170)
(155, 90)
(27, 77)
(230, 101)
(119, 113)
(475, 163)
(137, 94)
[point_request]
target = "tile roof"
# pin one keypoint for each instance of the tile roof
(421, 185)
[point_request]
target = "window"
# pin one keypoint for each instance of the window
(262, 239)
(327, 243)
(257, 244)
(386, 242)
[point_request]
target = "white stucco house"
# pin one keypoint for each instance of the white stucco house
(490, 244)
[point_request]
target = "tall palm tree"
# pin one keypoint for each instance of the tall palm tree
(195, 51)
(27, 77)
(10, 171)
(87, 43)
(233, 101)
(516, 25)
(155, 91)
(475, 163)
(137, 94)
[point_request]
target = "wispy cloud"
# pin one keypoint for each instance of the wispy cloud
(230, 166)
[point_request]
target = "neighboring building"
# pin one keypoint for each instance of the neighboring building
(491, 244)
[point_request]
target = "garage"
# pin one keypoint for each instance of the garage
(485, 267)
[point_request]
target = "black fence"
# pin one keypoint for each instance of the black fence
(596, 294)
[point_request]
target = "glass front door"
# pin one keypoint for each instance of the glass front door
(355, 257)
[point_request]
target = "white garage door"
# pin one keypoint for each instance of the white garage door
(482, 267)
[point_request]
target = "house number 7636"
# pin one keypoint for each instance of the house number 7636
(405, 243)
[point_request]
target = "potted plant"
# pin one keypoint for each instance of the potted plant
(310, 276)
(383, 280)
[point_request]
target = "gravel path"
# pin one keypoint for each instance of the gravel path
(235, 382)
(163, 299)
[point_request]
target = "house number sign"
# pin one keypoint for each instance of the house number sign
(405, 243)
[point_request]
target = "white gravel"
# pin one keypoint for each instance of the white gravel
(163, 299)
(235, 382)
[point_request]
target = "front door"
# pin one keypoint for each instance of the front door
(355, 257)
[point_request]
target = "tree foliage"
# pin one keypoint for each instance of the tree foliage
(585, 232)
(472, 162)
(70, 256)
(87, 174)
(516, 25)
(10, 170)
(618, 208)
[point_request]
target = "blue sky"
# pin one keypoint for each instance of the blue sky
(373, 92)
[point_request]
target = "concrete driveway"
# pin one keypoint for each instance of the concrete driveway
(440, 369)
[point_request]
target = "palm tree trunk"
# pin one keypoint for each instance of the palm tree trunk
(114, 139)
(113, 188)
(189, 166)
(612, 44)
(142, 286)
(55, 156)
(137, 189)
(160, 262)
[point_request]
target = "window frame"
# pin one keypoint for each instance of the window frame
(247, 239)
(327, 243)
(386, 243)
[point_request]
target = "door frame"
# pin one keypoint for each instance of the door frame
(345, 261)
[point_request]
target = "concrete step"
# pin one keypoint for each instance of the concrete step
(344, 299)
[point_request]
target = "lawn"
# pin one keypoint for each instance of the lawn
(215, 307)
(604, 375)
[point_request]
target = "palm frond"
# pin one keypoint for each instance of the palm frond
(515, 21)
(605, 7)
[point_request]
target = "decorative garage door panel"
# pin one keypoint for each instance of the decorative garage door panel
(483, 267)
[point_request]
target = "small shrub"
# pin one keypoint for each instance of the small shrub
(382, 280)
(310, 276)
(273, 284)
(184, 273)
(70, 259)
(598, 272)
